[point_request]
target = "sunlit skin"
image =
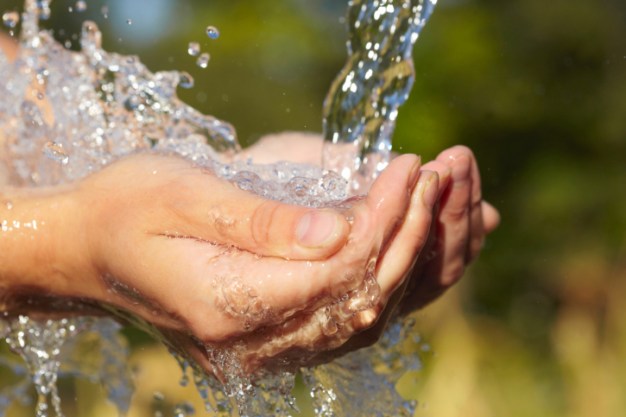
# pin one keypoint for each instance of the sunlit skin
(208, 263)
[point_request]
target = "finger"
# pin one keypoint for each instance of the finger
(454, 217)
(406, 245)
(491, 217)
(477, 229)
(388, 198)
(219, 212)
(222, 293)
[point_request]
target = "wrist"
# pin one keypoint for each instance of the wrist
(42, 247)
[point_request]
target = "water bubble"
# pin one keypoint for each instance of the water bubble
(212, 32)
(80, 6)
(129, 22)
(185, 80)
(56, 152)
(11, 19)
(132, 103)
(184, 409)
(91, 37)
(203, 60)
(105, 11)
(45, 14)
(193, 49)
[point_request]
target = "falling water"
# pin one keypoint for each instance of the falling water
(108, 105)
(361, 108)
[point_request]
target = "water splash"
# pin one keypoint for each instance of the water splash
(81, 347)
(106, 106)
(361, 107)
(10, 19)
(363, 383)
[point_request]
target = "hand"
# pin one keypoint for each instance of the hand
(211, 269)
(304, 334)
(210, 264)
(461, 222)
(463, 219)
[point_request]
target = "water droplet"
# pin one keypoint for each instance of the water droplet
(105, 11)
(132, 103)
(184, 409)
(212, 32)
(10, 19)
(55, 151)
(91, 37)
(193, 49)
(129, 22)
(185, 80)
(203, 60)
(80, 6)
(43, 7)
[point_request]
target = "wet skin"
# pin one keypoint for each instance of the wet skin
(208, 263)
(211, 264)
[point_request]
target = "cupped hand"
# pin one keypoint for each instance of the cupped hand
(212, 265)
(282, 312)
(463, 220)
(430, 250)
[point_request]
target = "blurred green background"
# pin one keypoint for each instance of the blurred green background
(537, 89)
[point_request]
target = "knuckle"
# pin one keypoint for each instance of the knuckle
(420, 239)
(261, 221)
(477, 201)
(456, 214)
(454, 270)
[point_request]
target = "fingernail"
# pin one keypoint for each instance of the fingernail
(444, 175)
(415, 170)
(317, 228)
(430, 189)
(460, 167)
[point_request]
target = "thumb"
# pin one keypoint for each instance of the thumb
(231, 216)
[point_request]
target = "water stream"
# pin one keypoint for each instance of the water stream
(107, 106)
(361, 108)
